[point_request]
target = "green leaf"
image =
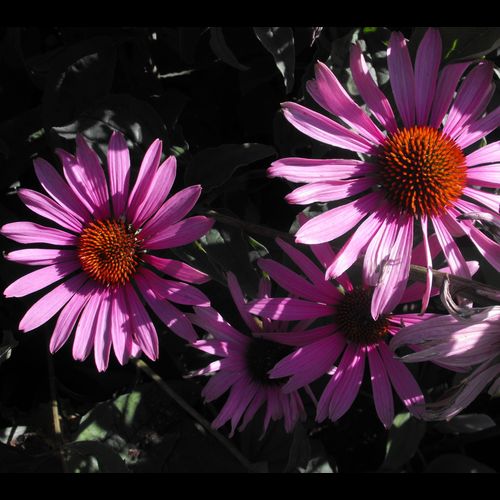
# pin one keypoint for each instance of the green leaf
(455, 463)
(93, 456)
(7, 345)
(403, 441)
(213, 167)
(466, 424)
(222, 51)
(280, 44)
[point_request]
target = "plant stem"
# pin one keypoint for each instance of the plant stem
(194, 414)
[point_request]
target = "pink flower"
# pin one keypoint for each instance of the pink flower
(458, 343)
(105, 249)
(350, 334)
(412, 176)
(243, 369)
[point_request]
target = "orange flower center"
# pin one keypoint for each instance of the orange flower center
(354, 319)
(422, 170)
(109, 251)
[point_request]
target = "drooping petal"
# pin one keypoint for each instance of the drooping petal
(329, 191)
(121, 329)
(40, 256)
(469, 97)
(44, 206)
(381, 387)
(179, 234)
(119, 172)
(85, 330)
(214, 347)
(402, 381)
(169, 314)
(174, 291)
(51, 303)
(324, 129)
(448, 80)
(69, 316)
(401, 77)
(490, 200)
(476, 130)
(289, 309)
(59, 190)
(428, 264)
(299, 338)
(29, 232)
(177, 269)
(143, 329)
(156, 192)
(426, 72)
(172, 211)
(102, 337)
(148, 168)
(369, 91)
(211, 321)
(239, 301)
(41, 278)
(337, 221)
(311, 170)
(327, 91)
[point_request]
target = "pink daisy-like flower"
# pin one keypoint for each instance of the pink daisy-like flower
(415, 175)
(458, 343)
(243, 369)
(104, 253)
(351, 334)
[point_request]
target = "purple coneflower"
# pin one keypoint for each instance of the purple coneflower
(351, 334)
(243, 369)
(103, 254)
(417, 171)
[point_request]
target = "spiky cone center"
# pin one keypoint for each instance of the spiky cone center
(353, 318)
(261, 356)
(109, 251)
(422, 170)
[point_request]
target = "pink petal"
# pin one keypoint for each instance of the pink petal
(143, 329)
(44, 206)
(451, 250)
(29, 232)
(181, 233)
(328, 191)
(402, 381)
(40, 256)
(50, 304)
(300, 337)
(448, 80)
(59, 190)
(148, 168)
(102, 336)
(381, 388)
(214, 347)
(239, 301)
(309, 362)
(487, 154)
(293, 283)
(69, 316)
(174, 291)
(252, 409)
(311, 270)
(426, 71)
(121, 330)
(211, 321)
(172, 211)
(487, 176)
(349, 253)
(40, 278)
(428, 264)
(469, 98)
(337, 221)
(85, 330)
(217, 386)
(490, 200)
(344, 385)
(327, 91)
(177, 269)
(478, 129)
(156, 192)
(289, 309)
(169, 314)
(369, 91)
(395, 271)
(119, 172)
(310, 170)
(401, 77)
(323, 129)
